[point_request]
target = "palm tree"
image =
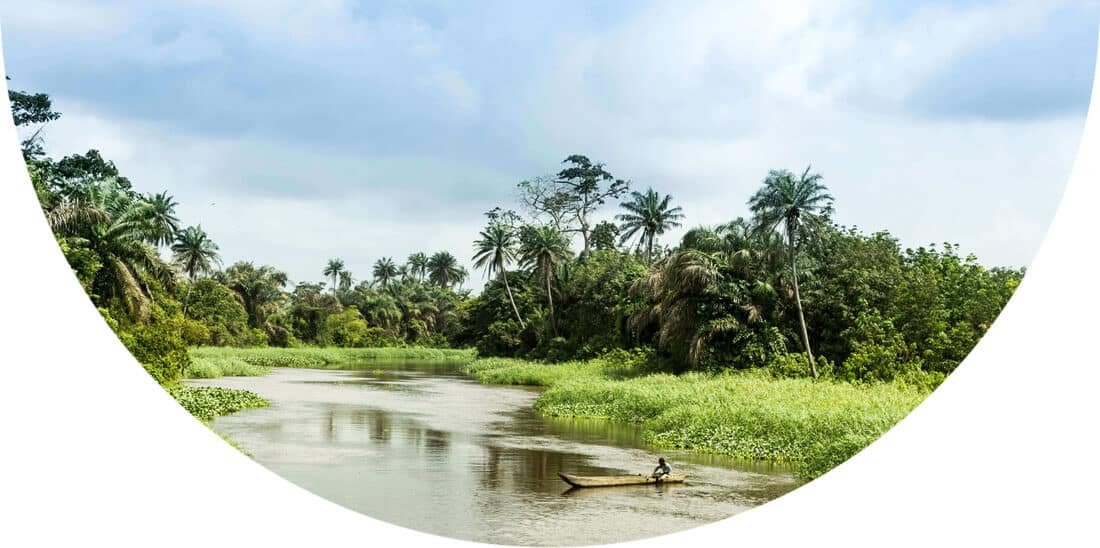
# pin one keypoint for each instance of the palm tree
(195, 253)
(120, 229)
(260, 290)
(493, 252)
(333, 270)
(798, 207)
(443, 269)
(418, 265)
(384, 271)
(346, 281)
(543, 249)
(160, 213)
(649, 215)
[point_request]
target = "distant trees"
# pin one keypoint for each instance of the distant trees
(739, 295)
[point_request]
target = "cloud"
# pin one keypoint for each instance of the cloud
(373, 129)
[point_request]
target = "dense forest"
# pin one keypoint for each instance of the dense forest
(784, 288)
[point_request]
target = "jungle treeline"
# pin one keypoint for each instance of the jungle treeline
(577, 266)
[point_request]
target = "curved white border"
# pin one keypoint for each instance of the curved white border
(94, 453)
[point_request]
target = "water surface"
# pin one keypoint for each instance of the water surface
(422, 446)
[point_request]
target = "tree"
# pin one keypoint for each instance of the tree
(567, 200)
(31, 108)
(604, 236)
(333, 270)
(546, 201)
(121, 230)
(648, 216)
(384, 271)
(584, 182)
(799, 208)
(194, 253)
(493, 252)
(418, 265)
(444, 270)
(161, 215)
(542, 249)
(260, 290)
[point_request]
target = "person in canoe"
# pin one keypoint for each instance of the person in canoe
(662, 469)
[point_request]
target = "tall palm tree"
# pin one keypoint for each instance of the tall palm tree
(195, 253)
(798, 207)
(443, 269)
(333, 270)
(493, 252)
(384, 271)
(648, 215)
(543, 249)
(418, 265)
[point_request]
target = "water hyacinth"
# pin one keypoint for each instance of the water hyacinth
(207, 402)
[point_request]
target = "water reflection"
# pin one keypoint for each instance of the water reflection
(421, 446)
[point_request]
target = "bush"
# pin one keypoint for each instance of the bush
(158, 345)
(559, 349)
(796, 366)
(195, 333)
(502, 338)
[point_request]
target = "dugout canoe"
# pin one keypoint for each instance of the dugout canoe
(608, 481)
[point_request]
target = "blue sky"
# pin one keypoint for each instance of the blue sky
(299, 131)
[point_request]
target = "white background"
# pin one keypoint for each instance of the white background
(93, 452)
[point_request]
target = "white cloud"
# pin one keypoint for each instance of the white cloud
(718, 94)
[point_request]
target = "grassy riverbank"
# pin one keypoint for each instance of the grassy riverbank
(752, 415)
(209, 362)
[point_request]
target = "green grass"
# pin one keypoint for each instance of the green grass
(211, 362)
(207, 402)
(751, 415)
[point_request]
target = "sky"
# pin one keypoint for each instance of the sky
(295, 132)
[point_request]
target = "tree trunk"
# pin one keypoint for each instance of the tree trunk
(187, 297)
(649, 249)
(550, 299)
(504, 275)
(798, 303)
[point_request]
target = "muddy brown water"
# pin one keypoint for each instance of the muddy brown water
(422, 446)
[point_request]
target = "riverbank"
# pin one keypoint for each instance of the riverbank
(208, 362)
(814, 426)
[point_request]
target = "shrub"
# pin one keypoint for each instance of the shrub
(158, 345)
(796, 366)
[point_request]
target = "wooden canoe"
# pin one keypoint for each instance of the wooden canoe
(608, 481)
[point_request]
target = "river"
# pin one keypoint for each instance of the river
(422, 446)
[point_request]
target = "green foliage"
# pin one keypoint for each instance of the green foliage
(158, 345)
(216, 307)
(346, 329)
(812, 424)
(207, 402)
(797, 366)
(323, 358)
